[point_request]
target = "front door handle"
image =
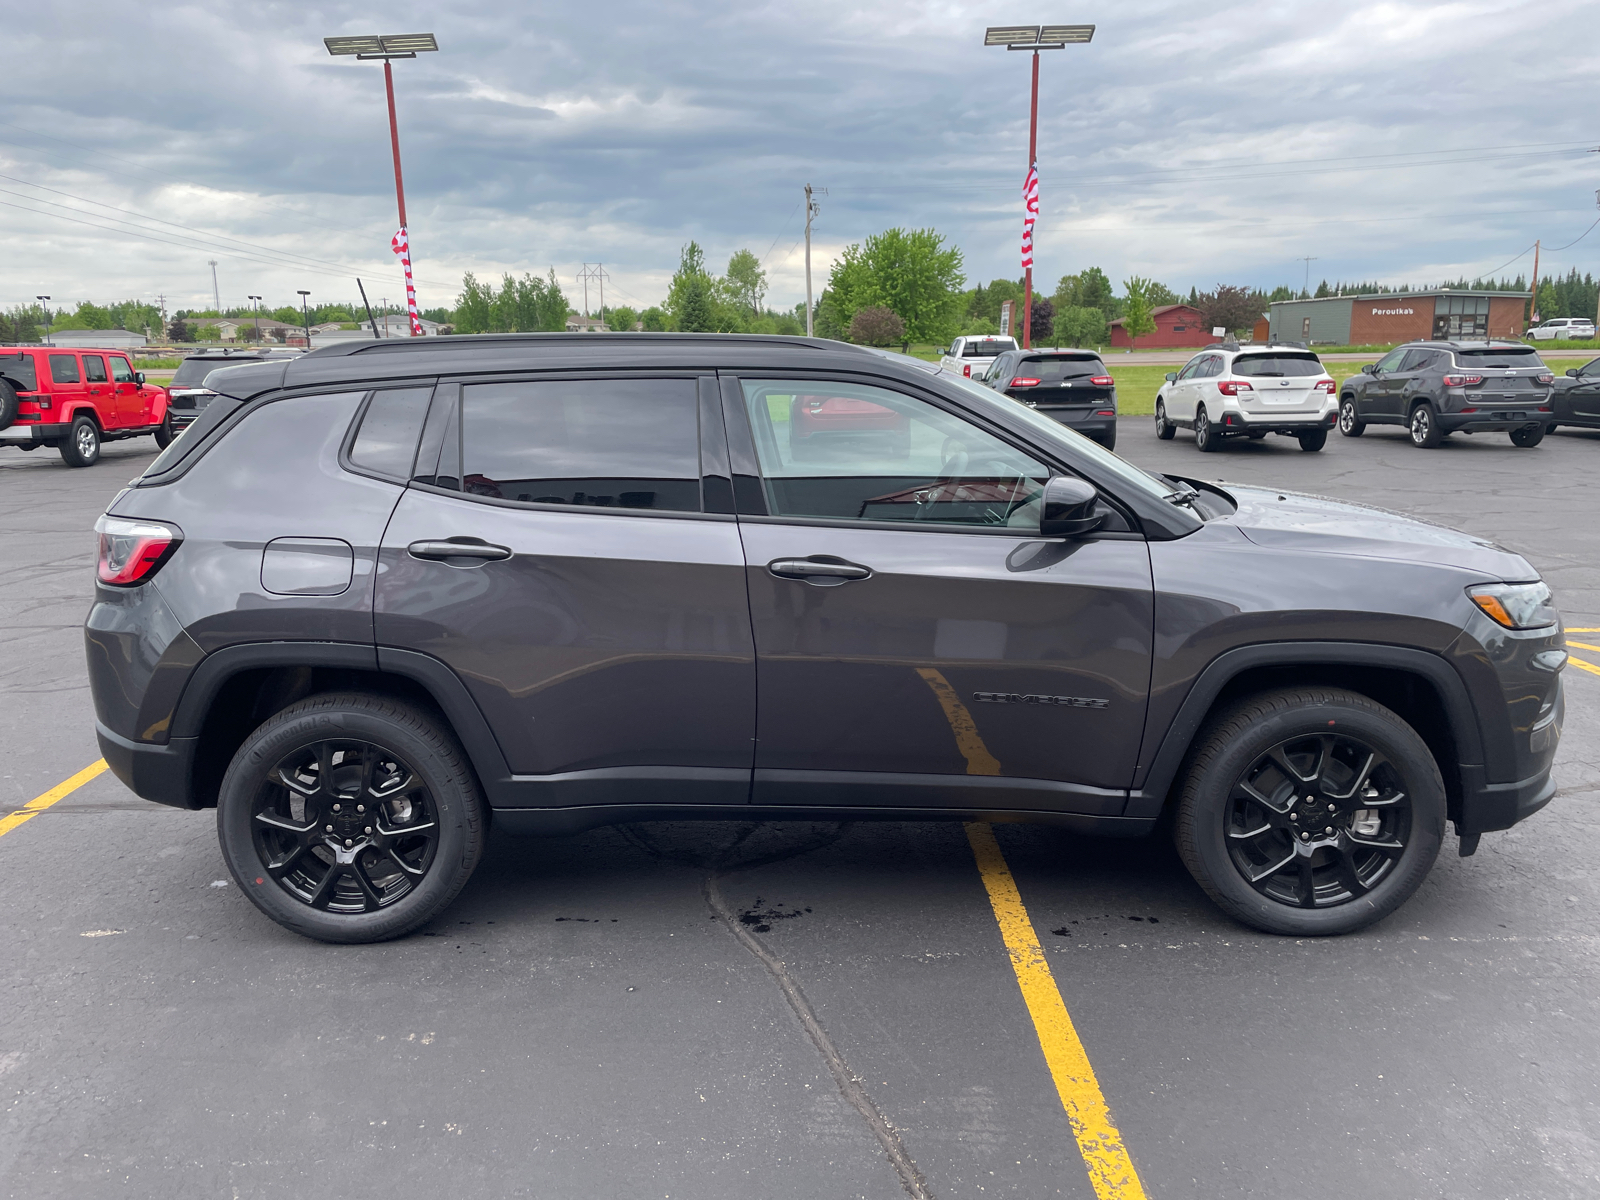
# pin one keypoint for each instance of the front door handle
(442, 551)
(818, 569)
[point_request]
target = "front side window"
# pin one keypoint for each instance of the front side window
(94, 368)
(121, 372)
(1191, 368)
(605, 443)
(64, 368)
(857, 452)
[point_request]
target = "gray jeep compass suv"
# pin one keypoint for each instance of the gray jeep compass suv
(384, 596)
(1435, 389)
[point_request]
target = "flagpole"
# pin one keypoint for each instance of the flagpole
(1033, 157)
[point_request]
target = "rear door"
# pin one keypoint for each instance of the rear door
(917, 642)
(562, 553)
(67, 388)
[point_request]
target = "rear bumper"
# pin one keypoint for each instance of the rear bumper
(158, 773)
(1231, 421)
(1496, 421)
(1084, 420)
(33, 435)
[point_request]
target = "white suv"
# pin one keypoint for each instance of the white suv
(971, 357)
(1566, 328)
(1228, 391)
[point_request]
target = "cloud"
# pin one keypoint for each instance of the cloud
(1396, 141)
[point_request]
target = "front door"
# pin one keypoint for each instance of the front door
(917, 642)
(1382, 394)
(130, 403)
(1585, 392)
(557, 554)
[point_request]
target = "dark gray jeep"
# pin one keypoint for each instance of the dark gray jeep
(383, 596)
(1435, 389)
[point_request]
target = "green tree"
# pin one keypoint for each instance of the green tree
(622, 319)
(909, 271)
(747, 280)
(653, 320)
(1088, 289)
(1136, 320)
(1080, 327)
(689, 296)
(179, 332)
(827, 321)
(877, 327)
(475, 306)
(1160, 294)
(1231, 308)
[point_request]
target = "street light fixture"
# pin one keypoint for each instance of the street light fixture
(257, 300)
(1034, 38)
(307, 314)
(387, 47)
(44, 303)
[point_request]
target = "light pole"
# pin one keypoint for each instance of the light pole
(44, 303)
(257, 300)
(386, 47)
(1034, 38)
(306, 313)
(1308, 260)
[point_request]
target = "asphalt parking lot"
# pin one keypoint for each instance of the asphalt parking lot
(619, 1013)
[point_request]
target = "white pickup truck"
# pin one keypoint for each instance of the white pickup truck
(971, 356)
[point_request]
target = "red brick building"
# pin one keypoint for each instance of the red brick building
(1177, 325)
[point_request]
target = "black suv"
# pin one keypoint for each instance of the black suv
(384, 595)
(1435, 389)
(1070, 386)
(187, 393)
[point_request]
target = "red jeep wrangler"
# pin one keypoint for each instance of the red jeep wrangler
(75, 399)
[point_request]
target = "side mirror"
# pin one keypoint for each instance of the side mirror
(1573, 372)
(1068, 508)
(1172, 377)
(1370, 369)
(138, 377)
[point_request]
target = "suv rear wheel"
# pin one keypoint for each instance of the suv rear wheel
(1310, 811)
(1312, 439)
(1424, 425)
(350, 818)
(1531, 436)
(82, 447)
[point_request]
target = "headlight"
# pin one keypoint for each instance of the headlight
(1516, 605)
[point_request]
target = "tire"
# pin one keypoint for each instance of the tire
(1350, 424)
(371, 887)
(1528, 438)
(82, 447)
(1108, 439)
(1424, 427)
(1358, 874)
(1255, 435)
(1312, 440)
(1165, 429)
(164, 433)
(1550, 428)
(1206, 439)
(8, 404)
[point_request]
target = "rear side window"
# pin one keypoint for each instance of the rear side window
(387, 440)
(94, 368)
(1256, 366)
(1418, 360)
(18, 370)
(1077, 366)
(604, 443)
(64, 368)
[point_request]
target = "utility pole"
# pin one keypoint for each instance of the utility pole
(1308, 261)
(1533, 300)
(812, 209)
(216, 293)
(597, 273)
(163, 301)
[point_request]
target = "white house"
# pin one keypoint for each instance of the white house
(108, 339)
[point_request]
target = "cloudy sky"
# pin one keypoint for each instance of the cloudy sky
(1196, 143)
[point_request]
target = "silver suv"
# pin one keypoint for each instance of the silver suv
(1228, 390)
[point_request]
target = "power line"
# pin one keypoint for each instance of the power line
(1575, 240)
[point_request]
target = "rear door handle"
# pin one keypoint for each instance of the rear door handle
(818, 569)
(440, 551)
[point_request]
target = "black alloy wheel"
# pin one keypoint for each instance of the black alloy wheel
(1424, 426)
(1206, 439)
(1309, 812)
(1349, 423)
(1165, 429)
(1528, 437)
(350, 818)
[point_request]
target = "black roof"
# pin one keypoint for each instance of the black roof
(1466, 344)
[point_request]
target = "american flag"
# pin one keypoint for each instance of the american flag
(401, 245)
(1030, 204)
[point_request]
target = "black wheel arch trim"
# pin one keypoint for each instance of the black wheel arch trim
(1148, 799)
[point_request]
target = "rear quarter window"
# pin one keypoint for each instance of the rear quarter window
(18, 370)
(386, 443)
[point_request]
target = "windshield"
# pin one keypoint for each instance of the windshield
(1257, 366)
(17, 369)
(1076, 366)
(1155, 486)
(1508, 356)
(193, 371)
(987, 347)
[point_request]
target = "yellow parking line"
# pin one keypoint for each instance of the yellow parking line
(1595, 629)
(979, 760)
(61, 790)
(1583, 646)
(1584, 666)
(1111, 1170)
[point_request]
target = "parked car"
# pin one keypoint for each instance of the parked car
(1565, 328)
(1576, 398)
(304, 618)
(76, 400)
(1070, 386)
(1436, 388)
(971, 357)
(1229, 391)
(187, 390)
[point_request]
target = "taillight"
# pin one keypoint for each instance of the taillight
(1232, 387)
(1103, 381)
(1023, 381)
(967, 370)
(1327, 385)
(1545, 378)
(1462, 380)
(132, 551)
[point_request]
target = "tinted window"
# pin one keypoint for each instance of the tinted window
(94, 368)
(121, 371)
(1255, 366)
(18, 370)
(387, 441)
(612, 443)
(1392, 360)
(1191, 368)
(1077, 366)
(193, 371)
(865, 453)
(986, 347)
(1514, 356)
(1210, 368)
(64, 368)
(1418, 360)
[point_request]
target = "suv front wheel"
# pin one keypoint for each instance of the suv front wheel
(350, 817)
(1350, 424)
(1310, 811)
(1206, 439)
